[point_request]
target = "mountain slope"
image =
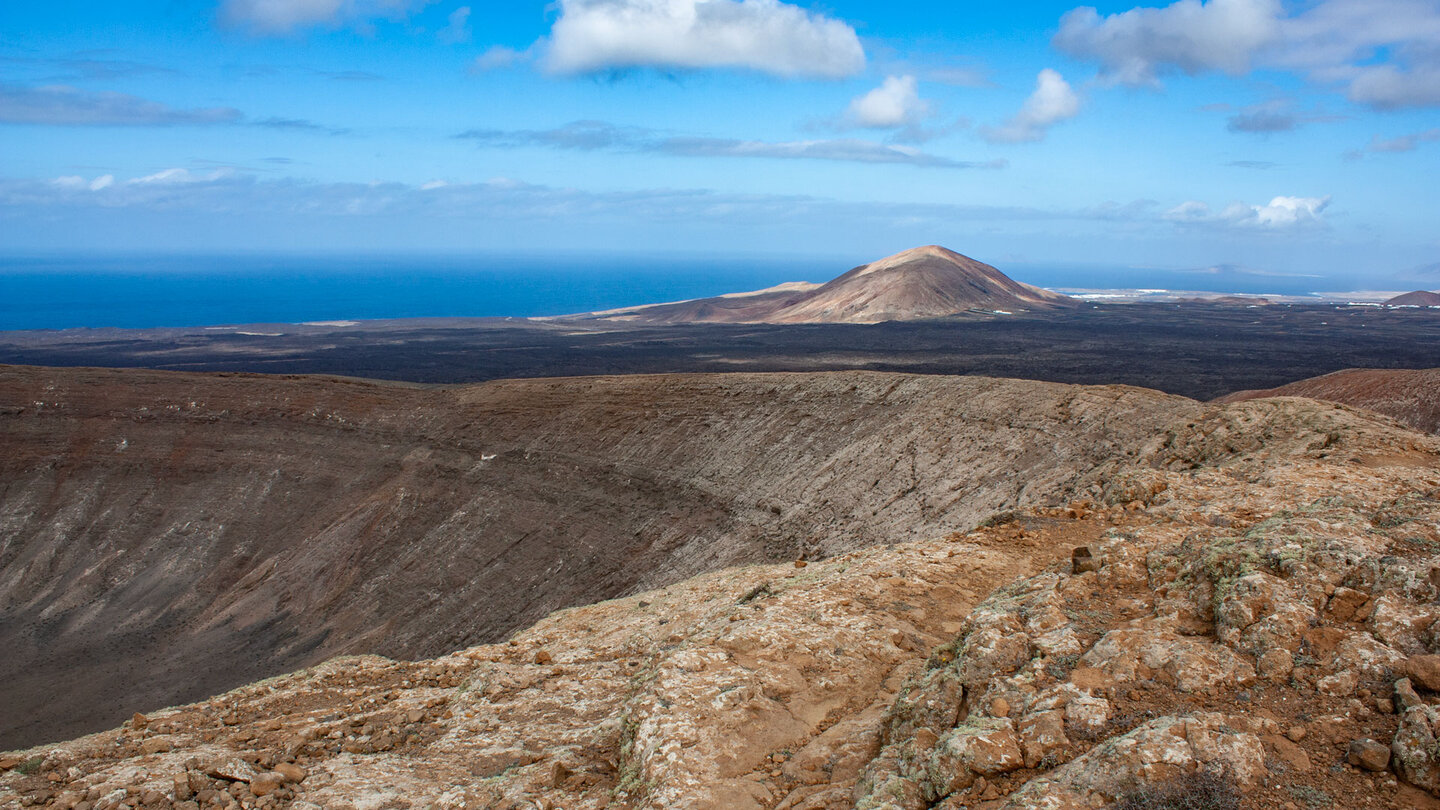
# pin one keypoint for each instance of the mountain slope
(164, 536)
(1419, 298)
(999, 668)
(1409, 395)
(924, 282)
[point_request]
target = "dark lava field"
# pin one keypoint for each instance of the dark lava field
(1195, 350)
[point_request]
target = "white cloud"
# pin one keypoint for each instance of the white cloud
(1052, 102)
(762, 35)
(287, 16)
(895, 103)
(1388, 87)
(171, 177)
(1383, 53)
(1281, 213)
(1135, 46)
(457, 27)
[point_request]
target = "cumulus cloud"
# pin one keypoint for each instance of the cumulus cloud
(1388, 87)
(895, 103)
(1281, 213)
(762, 35)
(589, 136)
(1383, 53)
(1052, 102)
(69, 106)
(1134, 47)
(288, 16)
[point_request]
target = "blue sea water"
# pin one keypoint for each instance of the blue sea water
(59, 292)
(141, 291)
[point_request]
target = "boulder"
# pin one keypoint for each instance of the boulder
(983, 747)
(1424, 671)
(1416, 749)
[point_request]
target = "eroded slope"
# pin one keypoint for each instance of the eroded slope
(167, 536)
(1409, 395)
(1258, 581)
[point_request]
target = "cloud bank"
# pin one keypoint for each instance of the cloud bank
(1281, 213)
(70, 106)
(589, 136)
(767, 36)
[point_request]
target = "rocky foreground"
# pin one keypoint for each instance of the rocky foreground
(1241, 613)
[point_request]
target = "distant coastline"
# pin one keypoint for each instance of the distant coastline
(142, 292)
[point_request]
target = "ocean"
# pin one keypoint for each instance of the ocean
(143, 291)
(60, 292)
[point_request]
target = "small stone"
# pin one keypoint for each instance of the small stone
(558, 774)
(291, 772)
(414, 716)
(234, 769)
(139, 720)
(925, 739)
(543, 657)
(181, 787)
(1081, 561)
(266, 783)
(1368, 754)
(801, 563)
(1385, 705)
(1405, 696)
(1000, 707)
(1295, 733)
(1276, 664)
(1341, 684)
(156, 745)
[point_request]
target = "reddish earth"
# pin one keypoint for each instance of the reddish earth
(1243, 612)
(1409, 395)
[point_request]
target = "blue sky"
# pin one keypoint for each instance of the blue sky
(1294, 139)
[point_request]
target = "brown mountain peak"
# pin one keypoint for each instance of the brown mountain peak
(1419, 298)
(930, 281)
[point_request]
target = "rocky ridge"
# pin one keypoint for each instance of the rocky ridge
(1409, 395)
(164, 536)
(1245, 608)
